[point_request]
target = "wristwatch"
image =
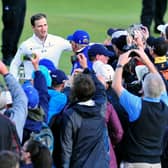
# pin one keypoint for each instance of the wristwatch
(119, 66)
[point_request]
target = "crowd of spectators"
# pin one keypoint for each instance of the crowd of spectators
(110, 112)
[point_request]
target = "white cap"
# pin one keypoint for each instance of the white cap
(162, 28)
(119, 33)
(105, 70)
(141, 70)
(109, 75)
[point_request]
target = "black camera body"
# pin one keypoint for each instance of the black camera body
(133, 54)
(28, 57)
(74, 58)
(130, 47)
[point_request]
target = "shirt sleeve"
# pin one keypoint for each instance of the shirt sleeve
(132, 104)
(16, 62)
(19, 105)
(164, 98)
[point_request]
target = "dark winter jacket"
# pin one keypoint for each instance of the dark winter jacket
(84, 137)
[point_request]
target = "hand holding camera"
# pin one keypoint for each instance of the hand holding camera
(74, 58)
(35, 61)
(133, 53)
(28, 57)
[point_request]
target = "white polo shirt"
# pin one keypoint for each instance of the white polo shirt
(51, 49)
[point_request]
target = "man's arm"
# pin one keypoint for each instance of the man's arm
(100, 94)
(42, 87)
(124, 59)
(19, 106)
(117, 80)
(16, 62)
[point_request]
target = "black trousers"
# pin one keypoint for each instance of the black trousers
(13, 20)
(153, 10)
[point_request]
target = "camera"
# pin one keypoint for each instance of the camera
(74, 58)
(133, 28)
(130, 47)
(133, 54)
(79, 51)
(28, 57)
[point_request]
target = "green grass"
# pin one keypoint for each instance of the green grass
(94, 16)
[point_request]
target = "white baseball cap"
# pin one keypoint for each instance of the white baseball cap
(119, 33)
(106, 71)
(162, 28)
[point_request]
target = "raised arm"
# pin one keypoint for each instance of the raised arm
(124, 59)
(41, 85)
(19, 106)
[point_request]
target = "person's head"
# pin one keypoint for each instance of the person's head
(153, 85)
(99, 52)
(73, 44)
(39, 25)
(36, 153)
(58, 79)
(158, 46)
(105, 74)
(46, 73)
(48, 64)
(79, 39)
(32, 94)
(83, 87)
(9, 159)
(119, 41)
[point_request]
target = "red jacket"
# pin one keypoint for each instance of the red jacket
(115, 132)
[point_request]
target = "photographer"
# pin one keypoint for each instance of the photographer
(123, 41)
(120, 45)
(148, 114)
(79, 40)
(119, 40)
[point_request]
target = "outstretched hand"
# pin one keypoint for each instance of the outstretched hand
(3, 68)
(82, 60)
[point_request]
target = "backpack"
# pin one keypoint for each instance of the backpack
(45, 136)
